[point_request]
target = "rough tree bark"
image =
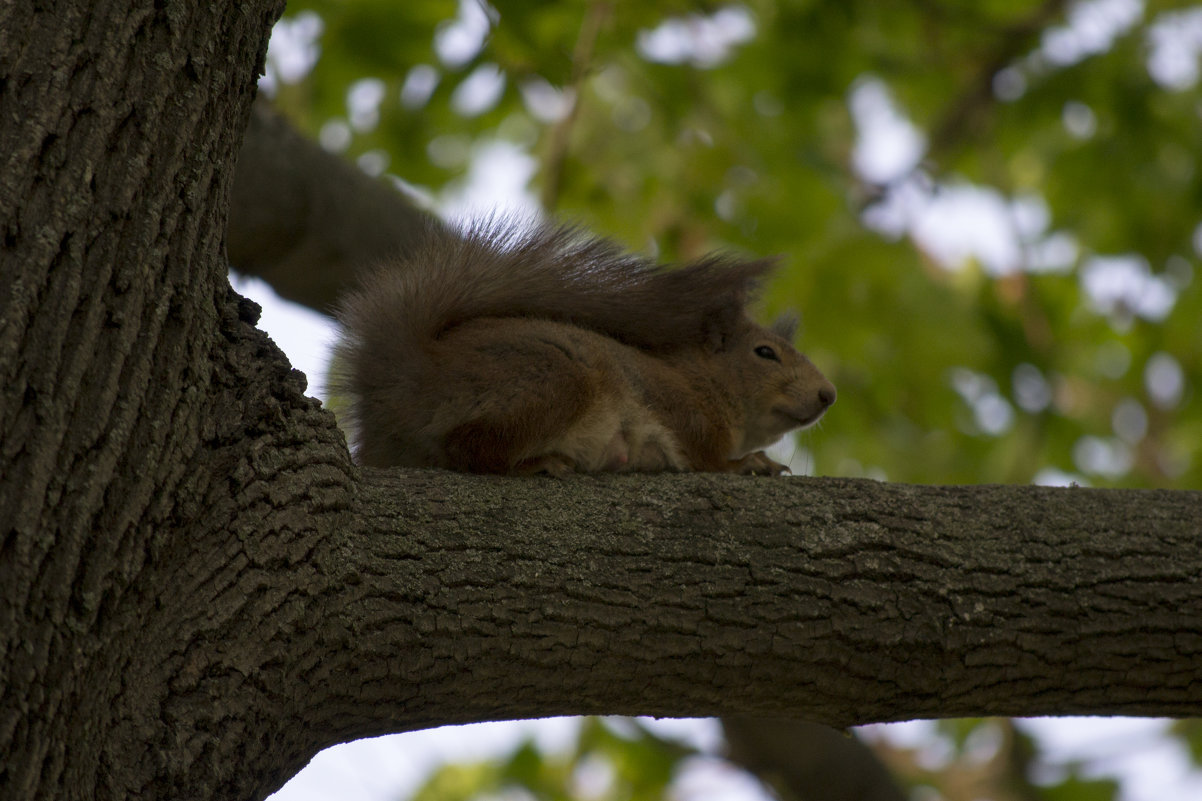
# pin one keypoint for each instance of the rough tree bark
(147, 431)
(198, 590)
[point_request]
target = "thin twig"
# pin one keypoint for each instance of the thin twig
(582, 57)
(966, 109)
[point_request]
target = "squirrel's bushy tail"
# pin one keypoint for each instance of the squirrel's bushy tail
(497, 268)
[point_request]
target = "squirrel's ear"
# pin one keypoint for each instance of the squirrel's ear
(785, 326)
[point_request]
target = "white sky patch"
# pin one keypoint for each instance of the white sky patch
(479, 91)
(888, 146)
(545, 102)
(954, 223)
(1030, 215)
(891, 215)
(1055, 477)
(292, 51)
(1092, 28)
(335, 136)
(1032, 392)
(992, 413)
(1151, 766)
(1009, 84)
(933, 751)
(1079, 120)
(592, 779)
(712, 779)
(704, 734)
(1101, 456)
(1164, 380)
(700, 40)
(419, 85)
(363, 103)
(1174, 49)
(1129, 420)
(460, 40)
(497, 181)
(374, 162)
(963, 223)
(392, 767)
(1055, 253)
(1122, 286)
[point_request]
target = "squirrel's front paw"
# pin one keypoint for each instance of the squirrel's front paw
(758, 464)
(549, 464)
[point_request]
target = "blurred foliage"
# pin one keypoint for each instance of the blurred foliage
(974, 759)
(1191, 732)
(634, 765)
(1057, 337)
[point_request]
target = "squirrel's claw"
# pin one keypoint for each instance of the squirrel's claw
(758, 464)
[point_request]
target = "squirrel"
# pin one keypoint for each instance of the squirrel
(524, 349)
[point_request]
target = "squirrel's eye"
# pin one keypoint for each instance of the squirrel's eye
(765, 352)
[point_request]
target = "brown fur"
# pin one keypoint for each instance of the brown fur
(522, 350)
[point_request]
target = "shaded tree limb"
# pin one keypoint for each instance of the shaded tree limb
(305, 220)
(806, 761)
(841, 601)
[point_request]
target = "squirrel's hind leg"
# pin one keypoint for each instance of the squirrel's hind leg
(520, 390)
(517, 438)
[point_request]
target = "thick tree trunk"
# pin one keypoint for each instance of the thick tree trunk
(198, 591)
(147, 431)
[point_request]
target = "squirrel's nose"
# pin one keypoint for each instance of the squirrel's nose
(827, 395)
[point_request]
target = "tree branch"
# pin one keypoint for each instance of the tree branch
(838, 601)
(595, 16)
(305, 220)
(805, 761)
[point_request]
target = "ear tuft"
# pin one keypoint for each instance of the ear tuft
(785, 326)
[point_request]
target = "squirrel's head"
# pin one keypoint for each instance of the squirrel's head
(780, 388)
